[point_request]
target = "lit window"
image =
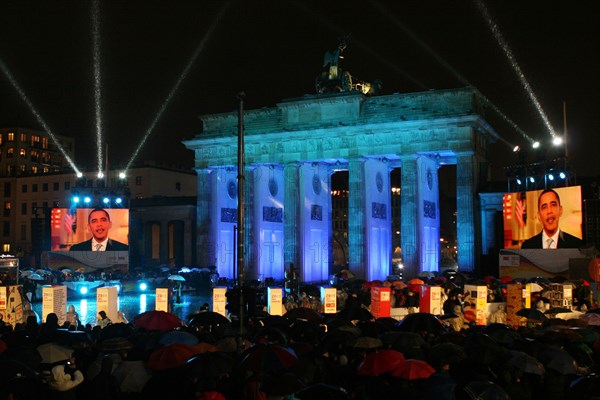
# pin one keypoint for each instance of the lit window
(35, 140)
(34, 169)
(10, 137)
(23, 137)
(22, 152)
(44, 143)
(10, 152)
(6, 248)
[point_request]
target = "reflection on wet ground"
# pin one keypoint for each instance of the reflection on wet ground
(132, 304)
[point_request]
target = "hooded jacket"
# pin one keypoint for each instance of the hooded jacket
(61, 382)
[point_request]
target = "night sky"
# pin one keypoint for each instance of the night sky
(273, 50)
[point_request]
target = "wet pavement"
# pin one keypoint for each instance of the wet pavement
(132, 304)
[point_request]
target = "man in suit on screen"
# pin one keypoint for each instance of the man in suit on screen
(99, 224)
(551, 237)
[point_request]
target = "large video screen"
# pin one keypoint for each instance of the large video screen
(527, 215)
(79, 229)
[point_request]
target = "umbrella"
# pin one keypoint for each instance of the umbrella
(26, 272)
(421, 322)
(303, 313)
(170, 356)
(322, 391)
(171, 337)
(411, 344)
(445, 353)
(267, 358)
(413, 369)
(399, 285)
(506, 279)
(539, 279)
(36, 277)
(416, 281)
(532, 314)
(355, 313)
(380, 362)
(210, 364)
(558, 360)
(591, 319)
(157, 321)
(373, 328)
(535, 287)
(176, 277)
(557, 310)
(119, 329)
(52, 353)
(525, 363)
(208, 318)
(132, 376)
(367, 343)
(311, 290)
(115, 345)
(503, 334)
(485, 390)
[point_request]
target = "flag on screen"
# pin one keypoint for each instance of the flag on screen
(520, 211)
(68, 223)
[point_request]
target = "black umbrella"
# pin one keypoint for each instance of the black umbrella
(322, 391)
(208, 318)
(311, 290)
(210, 364)
(485, 391)
(303, 313)
(532, 314)
(117, 330)
(356, 313)
(420, 323)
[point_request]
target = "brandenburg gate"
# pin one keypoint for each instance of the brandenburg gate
(291, 151)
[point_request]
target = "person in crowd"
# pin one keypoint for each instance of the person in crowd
(103, 321)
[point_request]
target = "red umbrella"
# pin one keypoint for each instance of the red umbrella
(157, 321)
(413, 369)
(506, 279)
(380, 362)
(170, 356)
(268, 357)
(416, 281)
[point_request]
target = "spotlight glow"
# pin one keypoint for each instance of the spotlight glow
(79, 174)
(76, 199)
(557, 141)
(83, 290)
(531, 179)
(122, 175)
(100, 175)
(519, 181)
(516, 148)
(87, 200)
(551, 177)
(106, 200)
(536, 144)
(562, 175)
(118, 200)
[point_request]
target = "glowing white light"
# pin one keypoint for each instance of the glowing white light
(76, 199)
(83, 290)
(79, 174)
(519, 181)
(516, 148)
(106, 200)
(551, 177)
(143, 286)
(87, 200)
(100, 175)
(531, 179)
(122, 175)
(562, 175)
(557, 141)
(536, 144)
(118, 200)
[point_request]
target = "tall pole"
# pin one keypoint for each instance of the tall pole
(240, 214)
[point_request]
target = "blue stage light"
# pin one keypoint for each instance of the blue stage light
(143, 286)
(551, 177)
(118, 200)
(519, 181)
(87, 199)
(83, 290)
(76, 199)
(106, 200)
(531, 179)
(562, 175)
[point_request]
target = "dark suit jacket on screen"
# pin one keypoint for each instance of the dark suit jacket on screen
(565, 241)
(112, 245)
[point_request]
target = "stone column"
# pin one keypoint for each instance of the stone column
(290, 214)
(356, 217)
(465, 210)
(205, 249)
(410, 219)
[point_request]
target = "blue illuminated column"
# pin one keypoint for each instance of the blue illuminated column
(410, 216)
(223, 209)
(428, 214)
(378, 219)
(465, 210)
(314, 221)
(204, 248)
(268, 187)
(290, 214)
(356, 217)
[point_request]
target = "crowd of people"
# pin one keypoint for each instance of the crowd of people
(306, 354)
